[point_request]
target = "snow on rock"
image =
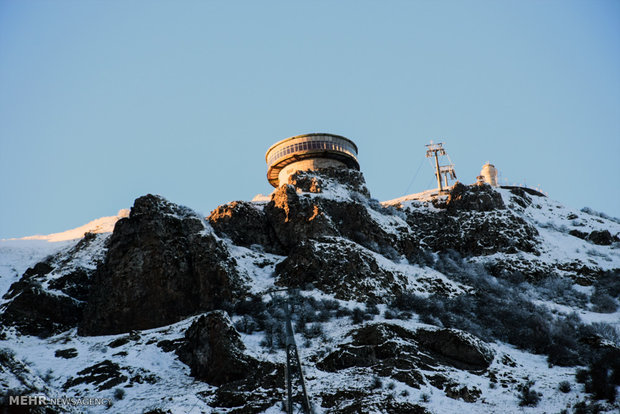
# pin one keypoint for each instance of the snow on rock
(342, 260)
(100, 225)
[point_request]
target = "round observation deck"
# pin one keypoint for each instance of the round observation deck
(307, 152)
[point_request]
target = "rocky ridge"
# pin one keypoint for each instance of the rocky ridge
(373, 288)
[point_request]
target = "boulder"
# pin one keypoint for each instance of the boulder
(579, 234)
(392, 351)
(462, 348)
(473, 198)
(602, 237)
(162, 265)
(214, 352)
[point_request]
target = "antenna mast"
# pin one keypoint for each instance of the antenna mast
(435, 150)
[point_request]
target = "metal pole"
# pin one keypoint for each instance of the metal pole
(305, 401)
(437, 169)
(291, 351)
(289, 391)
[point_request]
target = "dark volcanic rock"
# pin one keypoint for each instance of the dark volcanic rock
(294, 218)
(103, 375)
(66, 353)
(75, 284)
(214, 351)
(337, 267)
(602, 238)
(162, 265)
(34, 311)
(520, 197)
(459, 346)
(38, 270)
(473, 198)
(390, 350)
(245, 224)
(473, 232)
(579, 234)
(318, 180)
(323, 203)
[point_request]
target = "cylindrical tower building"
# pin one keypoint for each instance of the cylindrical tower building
(309, 152)
(489, 174)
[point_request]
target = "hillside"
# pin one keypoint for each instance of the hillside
(482, 301)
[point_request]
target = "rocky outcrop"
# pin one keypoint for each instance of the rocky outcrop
(50, 297)
(390, 350)
(473, 233)
(35, 311)
(473, 198)
(338, 267)
(162, 265)
(326, 203)
(387, 350)
(245, 224)
(295, 218)
(214, 352)
(319, 180)
(599, 237)
(462, 348)
(474, 221)
(602, 237)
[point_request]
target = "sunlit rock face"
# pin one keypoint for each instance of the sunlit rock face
(162, 264)
(245, 224)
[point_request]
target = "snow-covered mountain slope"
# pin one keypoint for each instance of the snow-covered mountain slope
(18, 254)
(483, 301)
(100, 225)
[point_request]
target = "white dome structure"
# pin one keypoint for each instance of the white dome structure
(489, 174)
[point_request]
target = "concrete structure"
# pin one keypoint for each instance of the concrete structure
(309, 152)
(489, 174)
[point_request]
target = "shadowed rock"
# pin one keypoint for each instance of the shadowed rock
(214, 351)
(459, 346)
(473, 198)
(35, 310)
(337, 267)
(162, 265)
(602, 237)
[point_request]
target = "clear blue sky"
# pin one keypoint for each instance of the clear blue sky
(104, 101)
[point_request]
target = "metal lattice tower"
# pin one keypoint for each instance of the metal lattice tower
(296, 390)
(293, 369)
(445, 171)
